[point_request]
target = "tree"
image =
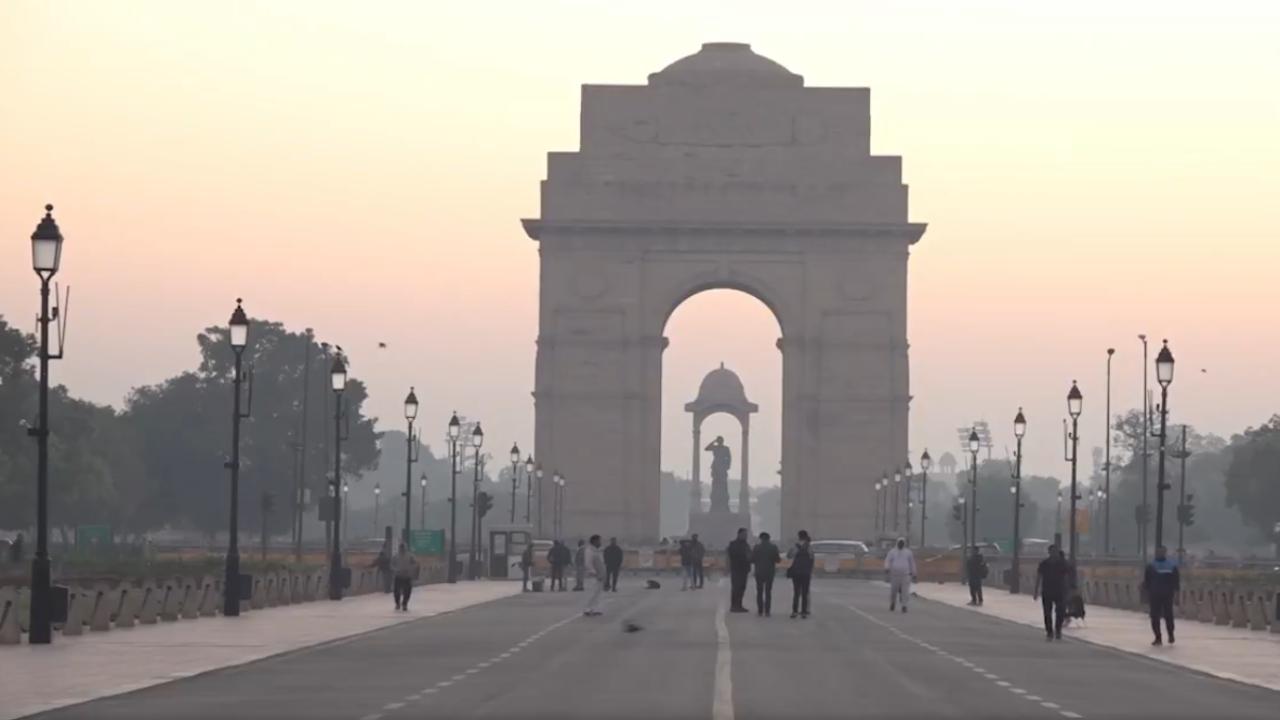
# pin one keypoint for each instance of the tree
(1253, 476)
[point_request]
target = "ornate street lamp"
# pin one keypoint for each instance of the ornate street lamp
(528, 489)
(1075, 405)
(926, 463)
(238, 335)
(477, 440)
(515, 478)
(411, 452)
(1164, 376)
(537, 474)
(975, 443)
(46, 258)
(897, 502)
(455, 430)
(877, 487)
(377, 498)
(907, 472)
(1106, 465)
(337, 383)
(422, 500)
(1019, 430)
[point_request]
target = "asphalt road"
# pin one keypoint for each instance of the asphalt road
(535, 656)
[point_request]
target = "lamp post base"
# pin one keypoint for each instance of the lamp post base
(41, 626)
(231, 586)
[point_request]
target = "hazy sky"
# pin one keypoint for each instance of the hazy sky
(1088, 170)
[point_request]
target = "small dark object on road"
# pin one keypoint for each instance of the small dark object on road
(631, 627)
(652, 584)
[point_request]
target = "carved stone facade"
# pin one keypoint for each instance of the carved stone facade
(725, 171)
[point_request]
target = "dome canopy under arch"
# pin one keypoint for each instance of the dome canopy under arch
(722, 391)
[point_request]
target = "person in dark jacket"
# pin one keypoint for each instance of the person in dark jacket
(526, 567)
(697, 552)
(686, 564)
(1162, 582)
(976, 570)
(612, 564)
(558, 557)
(1052, 578)
(800, 572)
(764, 561)
(739, 553)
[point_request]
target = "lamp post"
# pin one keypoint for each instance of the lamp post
(1019, 430)
(884, 502)
(1057, 523)
(1164, 376)
(377, 498)
(975, 443)
(926, 462)
(477, 441)
(964, 535)
(897, 502)
(1144, 513)
(422, 498)
(878, 488)
(537, 474)
(46, 256)
(455, 429)
(338, 382)
(1075, 405)
(515, 478)
(410, 448)
(557, 521)
(907, 472)
(1106, 465)
(528, 489)
(239, 337)
(1184, 500)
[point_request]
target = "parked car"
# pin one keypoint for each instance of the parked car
(850, 548)
(989, 549)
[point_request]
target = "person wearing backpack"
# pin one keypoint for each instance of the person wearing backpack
(977, 572)
(801, 572)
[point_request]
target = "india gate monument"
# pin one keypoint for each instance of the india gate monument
(723, 171)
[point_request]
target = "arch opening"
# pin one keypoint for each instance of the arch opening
(721, 377)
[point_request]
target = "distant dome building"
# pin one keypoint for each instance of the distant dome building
(725, 63)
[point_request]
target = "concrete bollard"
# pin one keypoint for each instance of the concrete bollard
(130, 606)
(151, 605)
(10, 633)
(1204, 608)
(209, 597)
(1221, 608)
(172, 603)
(1239, 611)
(1275, 612)
(191, 597)
(259, 597)
(1258, 614)
(81, 604)
(107, 603)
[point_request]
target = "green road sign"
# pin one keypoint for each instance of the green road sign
(426, 542)
(93, 537)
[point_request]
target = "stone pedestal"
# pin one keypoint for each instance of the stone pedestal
(717, 529)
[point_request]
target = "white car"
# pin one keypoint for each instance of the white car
(843, 548)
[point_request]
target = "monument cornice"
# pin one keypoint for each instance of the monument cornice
(911, 232)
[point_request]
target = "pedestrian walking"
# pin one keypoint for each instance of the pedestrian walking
(687, 577)
(900, 567)
(699, 553)
(1052, 579)
(1162, 583)
(557, 559)
(593, 561)
(801, 572)
(404, 566)
(739, 554)
(612, 565)
(976, 570)
(383, 565)
(764, 562)
(580, 566)
(526, 567)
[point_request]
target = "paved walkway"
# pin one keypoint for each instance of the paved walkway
(1232, 653)
(96, 665)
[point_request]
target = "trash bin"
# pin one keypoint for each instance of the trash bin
(536, 585)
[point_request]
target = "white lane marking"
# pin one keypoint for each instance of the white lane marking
(472, 671)
(982, 671)
(722, 699)
(505, 655)
(444, 683)
(459, 676)
(430, 690)
(393, 706)
(372, 716)
(484, 664)
(412, 698)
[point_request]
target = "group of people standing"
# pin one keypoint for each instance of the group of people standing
(560, 557)
(763, 559)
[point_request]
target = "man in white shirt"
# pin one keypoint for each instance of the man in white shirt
(900, 566)
(593, 560)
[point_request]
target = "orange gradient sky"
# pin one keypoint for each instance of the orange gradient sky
(1088, 170)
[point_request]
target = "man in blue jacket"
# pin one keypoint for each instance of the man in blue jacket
(1162, 583)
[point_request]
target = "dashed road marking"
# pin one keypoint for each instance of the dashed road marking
(393, 706)
(1051, 706)
(1069, 714)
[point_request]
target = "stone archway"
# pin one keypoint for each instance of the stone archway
(724, 171)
